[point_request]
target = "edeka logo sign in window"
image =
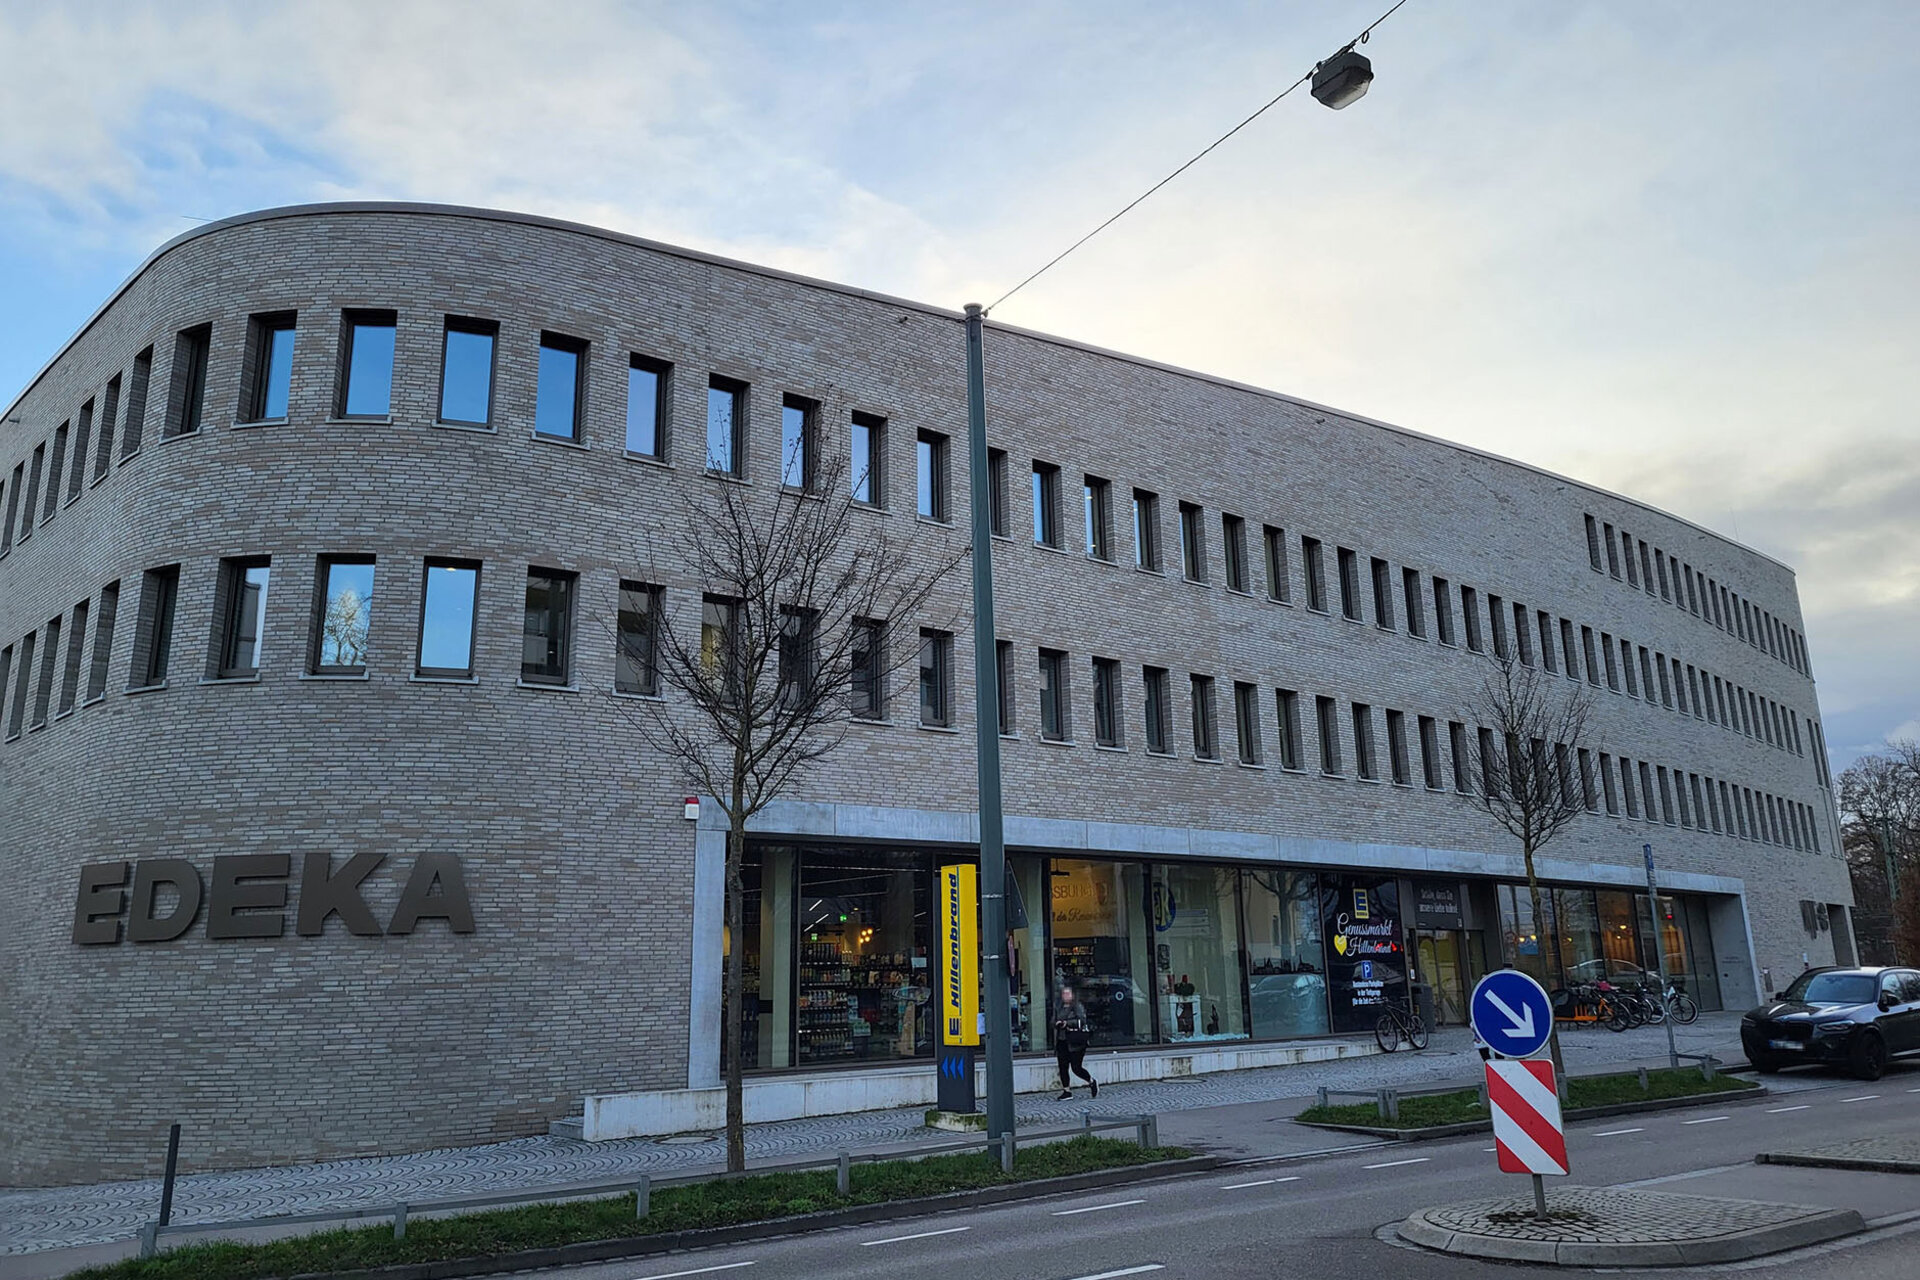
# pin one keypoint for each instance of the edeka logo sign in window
(1366, 958)
(248, 898)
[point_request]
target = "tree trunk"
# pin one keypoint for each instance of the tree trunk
(1545, 935)
(735, 993)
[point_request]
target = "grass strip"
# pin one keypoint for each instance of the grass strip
(1464, 1106)
(718, 1203)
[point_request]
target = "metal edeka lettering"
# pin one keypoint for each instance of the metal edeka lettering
(249, 898)
(960, 939)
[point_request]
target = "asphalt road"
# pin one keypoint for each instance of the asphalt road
(1322, 1215)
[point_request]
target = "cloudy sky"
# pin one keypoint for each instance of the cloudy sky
(1672, 249)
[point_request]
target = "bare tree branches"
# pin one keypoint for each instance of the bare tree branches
(1526, 758)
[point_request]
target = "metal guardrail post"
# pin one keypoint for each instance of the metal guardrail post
(1393, 1104)
(1320, 1096)
(1086, 1119)
(1644, 1086)
(1485, 1101)
(1153, 1131)
(843, 1172)
(643, 1197)
(1006, 1152)
(1380, 1103)
(149, 1239)
(400, 1222)
(1707, 1063)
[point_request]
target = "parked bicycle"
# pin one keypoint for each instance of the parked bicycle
(1397, 1024)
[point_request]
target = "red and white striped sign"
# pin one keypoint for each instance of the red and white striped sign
(1526, 1116)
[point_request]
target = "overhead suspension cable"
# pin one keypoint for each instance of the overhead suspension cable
(1195, 159)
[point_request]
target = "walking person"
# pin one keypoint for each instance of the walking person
(1071, 1033)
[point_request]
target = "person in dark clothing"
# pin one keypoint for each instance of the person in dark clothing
(1070, 1036)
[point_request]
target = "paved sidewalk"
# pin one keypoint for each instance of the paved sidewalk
(63, 1217)
(1608, 1227)
(1886, 1153)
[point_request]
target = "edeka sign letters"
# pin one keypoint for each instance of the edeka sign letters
(960, 950)
(1366, 958)
(248, 897)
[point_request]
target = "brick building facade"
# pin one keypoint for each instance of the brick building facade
(179, 429)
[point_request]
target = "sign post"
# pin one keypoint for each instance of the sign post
(959, 985)
(1659, 953)
(1514, 1018)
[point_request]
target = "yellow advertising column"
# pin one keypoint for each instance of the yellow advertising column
(959, 984)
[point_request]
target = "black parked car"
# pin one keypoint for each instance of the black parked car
(1858, 1018)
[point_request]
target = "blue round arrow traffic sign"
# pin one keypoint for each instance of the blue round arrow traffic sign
(1511, 1013)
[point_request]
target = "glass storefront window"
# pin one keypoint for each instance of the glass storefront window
(1703, 974)
(864, 989)
(1672, 938)
(1286, 973)
(1100, 946)
(1619, 944)
(1196, 937)
(1523, 947)
(1027, 920)
(1578, 935)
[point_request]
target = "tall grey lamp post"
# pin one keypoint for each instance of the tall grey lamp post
(998, 1038)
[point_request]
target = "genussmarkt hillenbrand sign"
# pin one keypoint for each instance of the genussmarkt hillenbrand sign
(1511, 1013)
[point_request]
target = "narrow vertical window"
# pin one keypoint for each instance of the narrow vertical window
(1587, 794)
(187, 392)
(726, 418)
(1443, 611)
(1158, 706)
(1462, 756)
(1009, 708)
(936, 678)
(546, 640)
(6, 673)
(1349, 565)
(930, 455)
(1626, 554)
(999, 512)
(1056, 724)
(22, 688)
(55, 471)
(1545, 625)
(560, 394)
(1593, 545)
(1607, 785)
(1522, 640)
(1233, 546)
(466, 372)
(449, 595)
(636, 664)
(799, 443)
(366, 364)
(1097, 500)
(1363, 741)
(1592, 655)
(1327, 715)
(1146, 530)
(1206, 734)
(1279, 586)
(241, 605)
(649, 383)
(1287, 708)
(1416, 605)
(102, 638)
(867, 468)
(1246, 722)
(1470, 611)
(1399, 756)
(1431, 768)
(343, 615)
(1646, 568)
(1568, 653)
(153, 640)
(1046, 505)
(82, 438)
(109, 413)
(1613, 550)
(1382, 594)
(797, 671)
(76, 642)
(868, 660)
(1612, 661)
(1193, 543)
(37, 467)
(1106, 702)
(720, 646)
(1314, 562)
(1497, 623)
(142, 378)
(266, 367)
(49, 660)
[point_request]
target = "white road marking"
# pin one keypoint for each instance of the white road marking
(924, 1235)
(1614, 1133)
(1774, 1111)
(1706, 1120)
(1865, 1097)
(1264, 1182)
(1395, 1164)
(1124, 1271)
(1095, 1208)
(698, 1271)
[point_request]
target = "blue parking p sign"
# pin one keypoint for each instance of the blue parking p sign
(1511, 1013)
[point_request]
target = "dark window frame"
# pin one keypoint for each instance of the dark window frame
(580, 350)
(470, 326)
(738, 393)
(257, 366)
(187, 388)
(422, 671)
(352, 320)
(809, 439)
(232, 593)
(324, 566)
(556, 614)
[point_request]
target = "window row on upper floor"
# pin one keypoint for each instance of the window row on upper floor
(1667, 577)
(339, 622)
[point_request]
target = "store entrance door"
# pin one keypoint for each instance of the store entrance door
(1443, 965)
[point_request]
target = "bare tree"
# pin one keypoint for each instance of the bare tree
(1529, 765)
(1879, 798)
(807, 608)
(343, 629)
